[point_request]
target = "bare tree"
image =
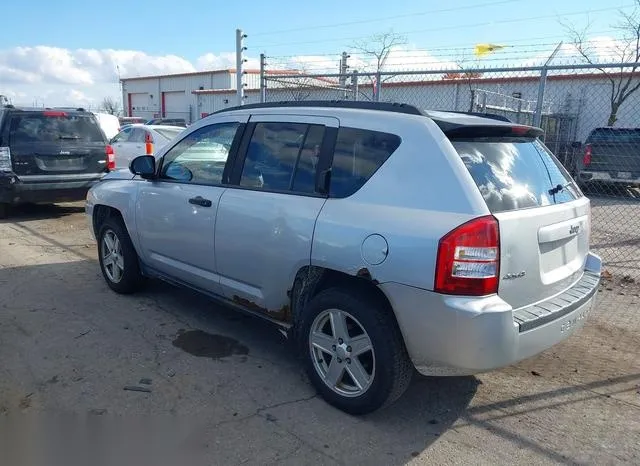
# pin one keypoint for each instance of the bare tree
(376, 50)
(110, 106)
(378, 47)
(625, 81)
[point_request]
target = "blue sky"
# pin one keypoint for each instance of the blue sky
(73, 50)
(193, 28)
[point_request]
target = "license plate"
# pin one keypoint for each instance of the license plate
(63, 162)
(624, 175)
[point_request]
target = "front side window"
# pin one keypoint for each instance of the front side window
(201, 156)
(358, 155)
(283, 157)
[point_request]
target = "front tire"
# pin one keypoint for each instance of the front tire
(353, 351)
(118, 257)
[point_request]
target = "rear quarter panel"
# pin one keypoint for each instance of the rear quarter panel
(418, 195)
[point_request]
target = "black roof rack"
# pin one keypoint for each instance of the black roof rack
(360, 105)
(363, 105)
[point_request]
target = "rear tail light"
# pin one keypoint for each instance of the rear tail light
(469, 259)
(148, 144)
(111, 158)
(5, 159)
(586, 159)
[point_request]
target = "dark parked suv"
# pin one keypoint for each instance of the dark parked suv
(612, 156)
(48, 155)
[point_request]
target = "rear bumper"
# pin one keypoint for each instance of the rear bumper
(617, 177)
(13, 190)
(452, 335)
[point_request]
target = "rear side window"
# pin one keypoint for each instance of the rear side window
(619, 135)
(283, 157)
(168, 133)
(514, 174)
(357, 156)
(123, 136)
(56, 127)
(138, 135)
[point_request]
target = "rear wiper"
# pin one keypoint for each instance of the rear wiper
(557, 189)
(68, 137)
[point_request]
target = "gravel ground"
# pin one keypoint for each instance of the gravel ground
(227, 389)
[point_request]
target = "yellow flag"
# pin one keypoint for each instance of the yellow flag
(486, 49)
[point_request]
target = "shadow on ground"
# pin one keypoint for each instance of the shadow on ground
(24, 212)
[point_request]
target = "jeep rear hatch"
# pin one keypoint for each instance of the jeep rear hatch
(55, 142)
(543, 217)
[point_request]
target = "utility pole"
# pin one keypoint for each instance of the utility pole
(263, 79)
(537, 117)
(344, 67)
(354, 84)
(240, 48)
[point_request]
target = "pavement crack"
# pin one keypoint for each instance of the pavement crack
(259, 411)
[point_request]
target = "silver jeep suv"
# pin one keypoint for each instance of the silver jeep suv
(382, 238)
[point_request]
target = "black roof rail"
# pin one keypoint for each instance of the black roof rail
(77, 109)
(351, 104)
(9, 106)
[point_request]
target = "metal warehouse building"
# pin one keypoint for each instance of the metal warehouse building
(173, 96)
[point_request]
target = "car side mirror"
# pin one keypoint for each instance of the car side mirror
(143, 165)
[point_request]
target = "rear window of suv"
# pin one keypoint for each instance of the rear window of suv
(54, 127)
(514, 173)
(626, 135)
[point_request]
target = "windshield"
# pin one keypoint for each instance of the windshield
(516, 173)
(39, 127)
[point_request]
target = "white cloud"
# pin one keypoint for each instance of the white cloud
(56, 76)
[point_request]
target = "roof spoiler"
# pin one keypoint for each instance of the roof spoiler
(453, 131)
(492, 116)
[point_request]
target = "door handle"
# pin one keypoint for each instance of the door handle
(201, 201)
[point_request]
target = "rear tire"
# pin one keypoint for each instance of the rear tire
(4, 210)
(118, 258)
(335, 326)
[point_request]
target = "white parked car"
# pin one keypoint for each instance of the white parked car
(381, 237)
(132, 141)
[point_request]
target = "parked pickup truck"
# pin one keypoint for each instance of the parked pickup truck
(610, 155)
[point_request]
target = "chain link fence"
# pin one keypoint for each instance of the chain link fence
(591, 121)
